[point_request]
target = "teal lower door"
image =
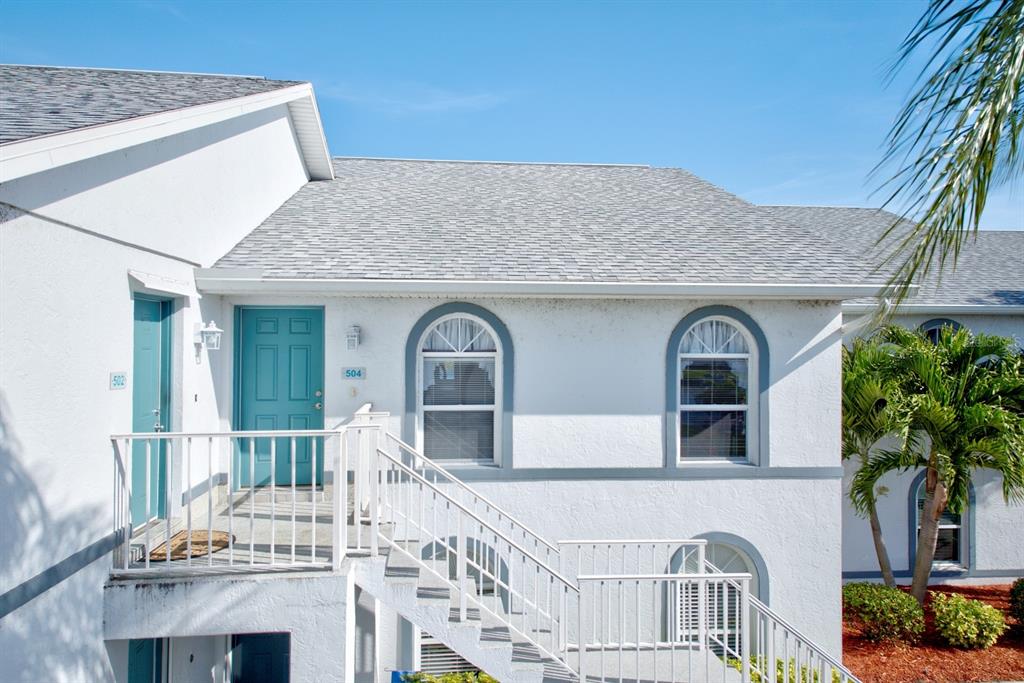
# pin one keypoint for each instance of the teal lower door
(280, 386)
(145, 660)
(151, 399)
(260, 658)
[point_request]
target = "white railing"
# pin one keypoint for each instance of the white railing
(470, 498)
(624, 557)
(779, 653)
(644, 610)
(255, 499)
(484, 565)
(663, 627)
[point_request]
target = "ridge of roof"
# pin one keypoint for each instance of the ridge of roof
(485, 162)
(145, 71)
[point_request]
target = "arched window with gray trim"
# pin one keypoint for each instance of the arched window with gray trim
(951, 545)
(718, 391)
(933, 328)
(459, 390)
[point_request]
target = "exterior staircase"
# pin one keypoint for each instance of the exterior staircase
(423, 598)
(463, 570)
(452, 562)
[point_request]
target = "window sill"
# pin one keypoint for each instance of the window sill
(466, 464)
(725, 464)
(948, 567)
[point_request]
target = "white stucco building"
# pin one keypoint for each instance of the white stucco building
(516, 407)
(984, 294)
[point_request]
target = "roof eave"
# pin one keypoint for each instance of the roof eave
(33, 155)
(225, 281)
(951, 309)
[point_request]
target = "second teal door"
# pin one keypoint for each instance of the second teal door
(281, 380)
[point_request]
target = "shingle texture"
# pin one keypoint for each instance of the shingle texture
(395, 219)
(42, 100)
(989, 270)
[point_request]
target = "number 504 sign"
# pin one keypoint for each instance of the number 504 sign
(353, 373)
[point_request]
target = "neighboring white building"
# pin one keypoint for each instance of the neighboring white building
(985, 293)
(621, 355)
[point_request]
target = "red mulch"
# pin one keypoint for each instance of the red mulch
(932, 660)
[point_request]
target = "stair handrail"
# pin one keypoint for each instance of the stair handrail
(845, 675)
(498, 532)
(452, 479)
(532, 611)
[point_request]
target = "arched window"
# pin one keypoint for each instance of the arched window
(933, 328)
(717, 409)
(949, 549)
(459, 390)
(729, 554)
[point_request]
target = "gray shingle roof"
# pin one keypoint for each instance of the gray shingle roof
(989, 271)
(43, 100)
(400, 219)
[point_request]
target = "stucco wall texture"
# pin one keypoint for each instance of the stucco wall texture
(993, 545)
(66, 323)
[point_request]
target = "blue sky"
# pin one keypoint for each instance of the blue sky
(778, 102)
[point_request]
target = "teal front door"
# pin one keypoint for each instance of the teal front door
(260, 658)
(280, 386)
(145, 661)
(151, 400)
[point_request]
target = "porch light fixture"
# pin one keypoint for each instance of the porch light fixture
(353, 337)
(208, 336)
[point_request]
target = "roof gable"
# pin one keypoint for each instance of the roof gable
(44, 100)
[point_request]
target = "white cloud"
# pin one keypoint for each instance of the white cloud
(411, 99)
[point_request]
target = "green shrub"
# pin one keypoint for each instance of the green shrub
(420, 677)
(883, 613)
(1017, 600)
(966, 623)
(759, 671)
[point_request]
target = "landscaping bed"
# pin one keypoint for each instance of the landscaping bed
(934, 661)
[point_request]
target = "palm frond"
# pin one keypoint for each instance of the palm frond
(958, 135)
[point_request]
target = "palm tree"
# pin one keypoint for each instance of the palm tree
(869, 416)
(958, 135)
(963, 396)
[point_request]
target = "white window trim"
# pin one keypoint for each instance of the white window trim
(499, 361)
(964, 549)
(751, 408)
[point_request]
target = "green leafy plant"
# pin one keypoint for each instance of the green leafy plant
(869, 417)
(783, 674)
(461, 677)
(1017, 600)
(966, 623)
(960, 132)
(883, 613)
(962, 397)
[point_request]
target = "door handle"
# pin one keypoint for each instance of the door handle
(318, 405)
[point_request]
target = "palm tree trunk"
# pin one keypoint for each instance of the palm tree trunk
(934, 506)
(880, 549)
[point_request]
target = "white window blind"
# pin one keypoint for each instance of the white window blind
(459, 371)
(438, 659)
(948, 547)
(715, 377)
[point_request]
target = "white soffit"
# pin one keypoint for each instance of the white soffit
(163, 284)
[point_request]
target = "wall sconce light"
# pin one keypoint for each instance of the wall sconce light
(208, 336)
(353, 337)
